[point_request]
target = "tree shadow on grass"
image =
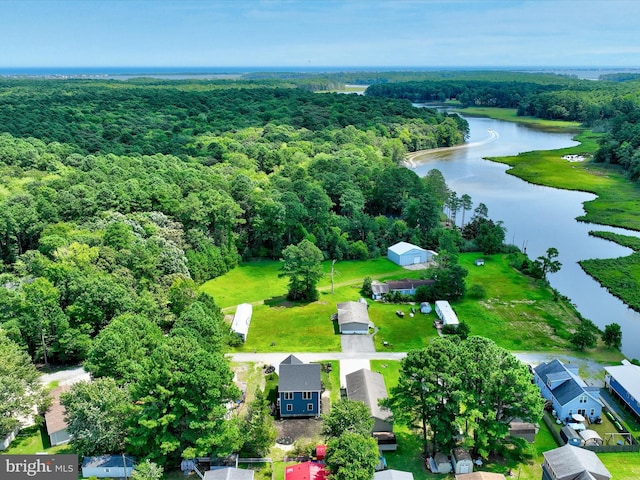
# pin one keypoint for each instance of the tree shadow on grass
(283, 302)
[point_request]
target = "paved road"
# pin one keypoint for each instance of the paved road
(66, 377)
(591, 371)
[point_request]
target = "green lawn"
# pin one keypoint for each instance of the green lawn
(33, 440)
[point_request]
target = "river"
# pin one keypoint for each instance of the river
(536, 217)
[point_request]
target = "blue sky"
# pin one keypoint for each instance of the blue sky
(425, 33)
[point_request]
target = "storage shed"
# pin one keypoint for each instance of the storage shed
(461, 460)
(425, 307)
(591, 437)
(446, 313)
(570, 436)
(440, 463)
(108, 466)
(242, 320)
(404, 253)
(392, 474)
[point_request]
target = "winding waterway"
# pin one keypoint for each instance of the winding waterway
(536, 217)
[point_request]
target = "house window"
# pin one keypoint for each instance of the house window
(309, 406)
(106, 470)
(570, 412)
(289, 408)
(288, 395)
(306, 395)
(592, 412)
(583, 399)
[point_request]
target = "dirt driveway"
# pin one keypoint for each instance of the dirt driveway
(299, 428)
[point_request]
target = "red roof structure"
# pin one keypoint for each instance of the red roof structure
(306, 471)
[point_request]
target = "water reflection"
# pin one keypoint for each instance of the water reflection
(536, 217)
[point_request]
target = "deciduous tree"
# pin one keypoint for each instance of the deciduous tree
(352, 457)
(612, 335)
(302, 264)
(347, 416)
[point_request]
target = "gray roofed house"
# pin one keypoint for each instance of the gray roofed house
(368, 387)
(353, 318)
(55, 418)
(379, 289)
(228, 473)
(299, 388)
(561, 385)
(573, 463)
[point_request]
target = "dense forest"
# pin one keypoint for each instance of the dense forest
(119, 198)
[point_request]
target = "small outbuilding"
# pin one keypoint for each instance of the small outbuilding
(108, 466)
(591, 437)
(306, 471)
(54, 418)
(439, 463)
(461, 460)
(570, 436)
(524, 430)
(353, 318)
(425, 307)
(479, 262)
(242, 320)
(404, 253)
(446, 313)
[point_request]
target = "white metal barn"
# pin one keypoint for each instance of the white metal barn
(242, 320)
(446, 313)
(404, 253)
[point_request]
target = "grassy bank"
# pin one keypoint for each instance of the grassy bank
(517, 312)
(617, 203)
(511, 115)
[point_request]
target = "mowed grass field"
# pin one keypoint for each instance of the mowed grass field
(518, 313)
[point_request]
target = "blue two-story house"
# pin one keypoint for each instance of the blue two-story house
(567, 392)
(299, 388)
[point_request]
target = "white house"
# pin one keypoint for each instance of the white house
(403, 253)
(242, 320)
(446, 313)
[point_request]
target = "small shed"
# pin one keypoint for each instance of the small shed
(479, 262)
(461, 460)
(108, 466)
(591, 437)
(404, 253)
(242, 320)
(570, 436)
(446, 313)
(425, 307)
(439, 463)
(525, 430)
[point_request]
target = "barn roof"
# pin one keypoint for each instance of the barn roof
(368, 387)
(401, 248)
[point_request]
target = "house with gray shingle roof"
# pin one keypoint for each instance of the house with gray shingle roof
(573, 463)
(353, 318)
(228, 473)
(299, 388)
(567, 392)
